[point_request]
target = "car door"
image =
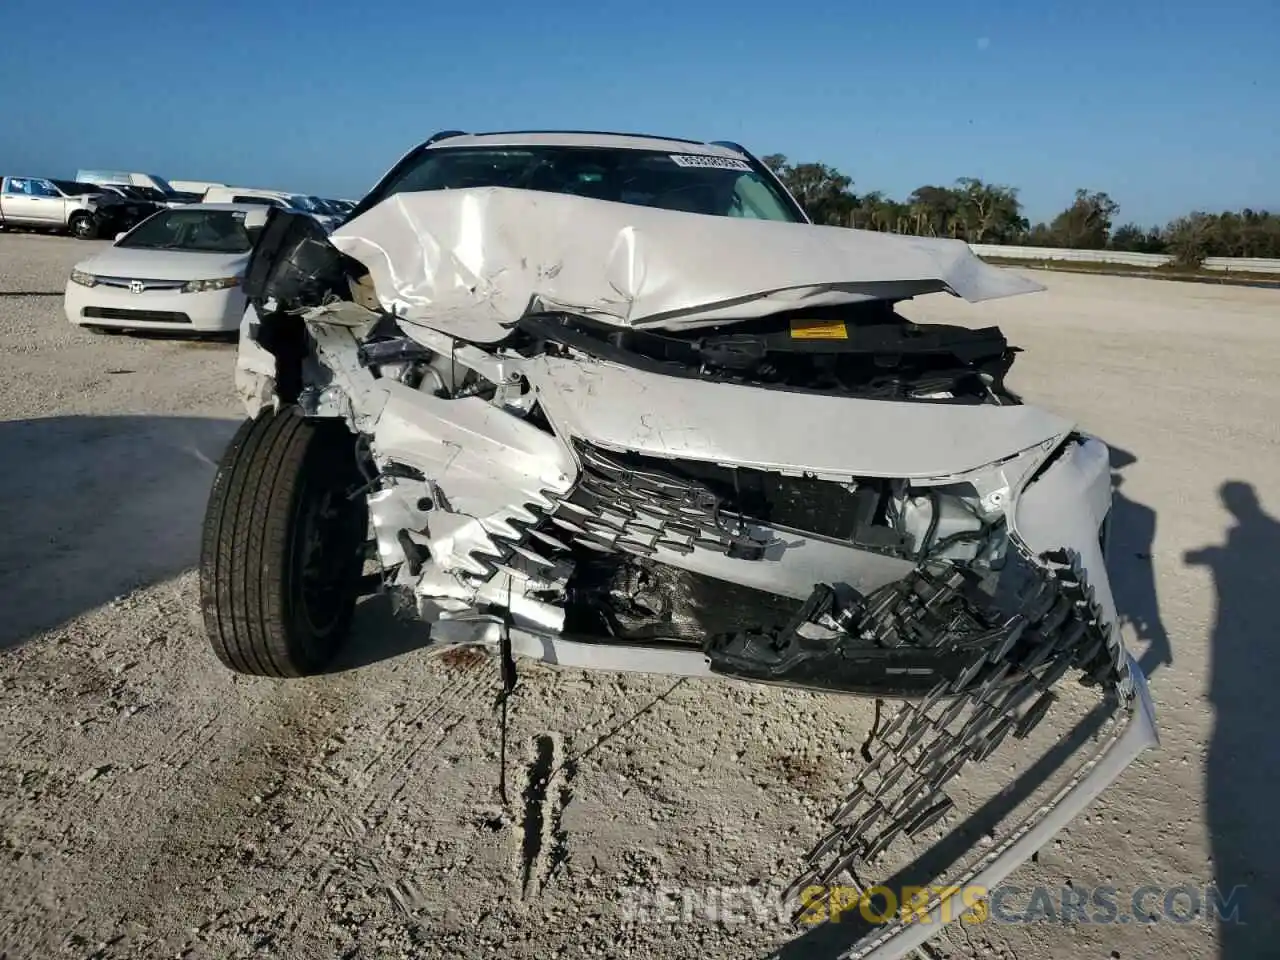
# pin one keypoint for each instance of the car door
(19, 204)
(48, 203)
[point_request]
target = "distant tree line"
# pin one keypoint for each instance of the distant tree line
(992, 213)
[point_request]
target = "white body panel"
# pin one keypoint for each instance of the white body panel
(194, 186)
(471, 262)
(621, 408)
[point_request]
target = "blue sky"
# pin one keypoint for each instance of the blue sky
(1167, 106)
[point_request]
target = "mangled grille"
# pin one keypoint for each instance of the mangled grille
(619, 507)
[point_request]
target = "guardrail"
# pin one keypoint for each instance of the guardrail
(1146, 260)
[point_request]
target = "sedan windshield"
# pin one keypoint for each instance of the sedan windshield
(694, 183)
(199, 231)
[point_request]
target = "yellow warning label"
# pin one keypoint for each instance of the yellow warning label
(818, 330)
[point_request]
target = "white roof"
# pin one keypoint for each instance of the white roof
(252, 192)
(243, 207)
(574, 138)
(471, 262)
(255, 213)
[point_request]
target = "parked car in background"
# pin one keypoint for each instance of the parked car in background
(121, 207)
(180, 270)
(334, 208)
(125, 177)
(39, 203)
(296, 202)
(198, 187)
(157, 189)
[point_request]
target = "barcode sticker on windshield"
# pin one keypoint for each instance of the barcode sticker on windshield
(714, 163)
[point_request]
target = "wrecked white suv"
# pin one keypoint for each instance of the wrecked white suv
(612, 402)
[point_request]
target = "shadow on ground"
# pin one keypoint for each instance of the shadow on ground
(377, 634)
(1133, 529)
(1244, 687)
(92, 507)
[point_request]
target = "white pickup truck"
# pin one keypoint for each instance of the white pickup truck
(37, 203)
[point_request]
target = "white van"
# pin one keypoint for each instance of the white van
(156, 188)
(126, 178)
(194, 186)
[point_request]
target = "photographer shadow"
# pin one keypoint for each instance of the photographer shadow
(1244, 687)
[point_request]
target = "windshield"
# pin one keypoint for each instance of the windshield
(694, 183)
(161, 182)
(199, 231)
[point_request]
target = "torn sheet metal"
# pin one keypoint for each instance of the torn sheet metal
(484, 460)
(255, 371)
(470, 262)
(471, 474)
(1064, 508)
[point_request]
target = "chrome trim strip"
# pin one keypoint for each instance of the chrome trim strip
(124, 282)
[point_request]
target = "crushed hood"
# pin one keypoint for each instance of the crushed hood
(471, 262)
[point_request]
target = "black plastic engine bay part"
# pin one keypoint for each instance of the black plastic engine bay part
(862, 350)
(294, 264)
(626, 597)
(937, 625)
(897, 642)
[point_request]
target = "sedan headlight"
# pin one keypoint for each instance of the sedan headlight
(200, 286)
(84, 279)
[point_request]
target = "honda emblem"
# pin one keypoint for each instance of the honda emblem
(136, 286)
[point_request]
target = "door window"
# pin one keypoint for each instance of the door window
(42, 188)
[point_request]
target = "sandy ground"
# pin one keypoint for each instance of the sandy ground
(154, 805)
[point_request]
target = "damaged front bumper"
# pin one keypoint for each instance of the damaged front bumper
(1130, 732)
(537, 499)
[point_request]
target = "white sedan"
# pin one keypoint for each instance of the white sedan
(179, 270)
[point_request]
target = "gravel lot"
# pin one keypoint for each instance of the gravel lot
(154, 805)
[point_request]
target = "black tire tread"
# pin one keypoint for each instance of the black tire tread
(245, 565)
(71, 226)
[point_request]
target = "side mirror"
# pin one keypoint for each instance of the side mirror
(120, 236)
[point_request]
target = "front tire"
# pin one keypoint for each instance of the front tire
(82, 227)
(282, 549)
